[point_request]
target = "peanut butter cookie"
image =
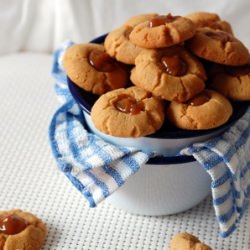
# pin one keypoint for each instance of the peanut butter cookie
(207, 110)
(131, 112)
(171, 73)
(162, 31)
(211, 20)
(21, 230)
(91, 68)
(186, 241)
(233, 82)
(218, 46)
(117, 43)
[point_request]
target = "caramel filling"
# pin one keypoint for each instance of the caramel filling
(12, 224)
(221, 36)
(128, 104)
(199, 99)
(161, 20)
(101, 61)
(174, 65)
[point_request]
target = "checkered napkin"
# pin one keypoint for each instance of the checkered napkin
(97, 168)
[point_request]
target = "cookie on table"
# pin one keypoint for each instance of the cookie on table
(162, 31)
(91, 68)
(131, 112)
(211, 20)
(232, 82)
(171, 73)
(207, 110)
(186, 241)
(219, 47)
(21, 230)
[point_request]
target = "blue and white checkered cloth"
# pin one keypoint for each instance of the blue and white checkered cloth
(97, 168)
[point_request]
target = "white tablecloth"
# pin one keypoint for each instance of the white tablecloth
(31, 181)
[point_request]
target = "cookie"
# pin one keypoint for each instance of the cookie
(186, 241)
(172, 74)
(140, 18)
(117, 43)
(232, 82)
(91, 68)
(219, 47)
(21, 230)
(207, 110)
(162, 31)
(131, 112)
(211, 20)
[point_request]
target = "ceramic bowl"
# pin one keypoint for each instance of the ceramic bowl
(164, 186)
(168, 183)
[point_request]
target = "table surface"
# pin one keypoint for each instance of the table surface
(31, 181)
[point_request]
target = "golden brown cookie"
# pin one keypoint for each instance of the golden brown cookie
(140, 18)
(171, 73)
(21, 230)
(233, 82)
(218, 46)
(117, 43)
(131, 112)
(91, 68)
(207, 110)
(205, 19)
(186, 241)
(162, 31)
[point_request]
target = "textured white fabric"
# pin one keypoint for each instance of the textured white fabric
(42, 26)
(31, 181)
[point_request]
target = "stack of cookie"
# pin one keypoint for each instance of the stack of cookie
(185, 70)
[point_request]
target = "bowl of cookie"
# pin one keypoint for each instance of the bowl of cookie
(160, 83)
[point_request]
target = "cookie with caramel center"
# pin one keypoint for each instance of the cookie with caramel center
(162, 31)
(219, 47)
(171, 73)
(21, 230)
(207, 110)
(91, 68)
(131, 112)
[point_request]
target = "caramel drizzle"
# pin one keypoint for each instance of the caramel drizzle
(128, 104)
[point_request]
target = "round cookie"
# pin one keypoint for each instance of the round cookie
(134, 20)
(207, 110)
(117, 43)
(21, 230)
(171, 73)
(211, 20)
(186, 241)
(91, 68)
(232, 82)
(162, 31)
(131, 112)
(218, 46)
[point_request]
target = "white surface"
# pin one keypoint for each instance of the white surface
(31, 181)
